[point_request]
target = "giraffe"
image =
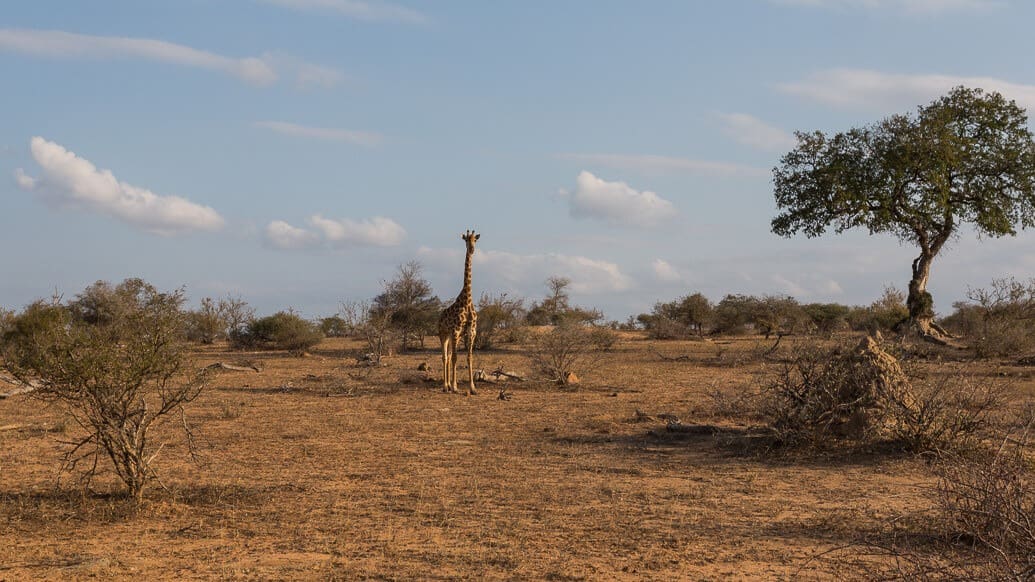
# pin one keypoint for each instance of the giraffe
(459, 320)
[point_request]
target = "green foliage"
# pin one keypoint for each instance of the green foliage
(334, 326)
(968, 157)
(827, 318)
(283, 330)
(733, 313)
(116, 358)
(678, 318)
(769, 314)
(556, 309)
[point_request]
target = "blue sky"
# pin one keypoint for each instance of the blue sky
(295, 152)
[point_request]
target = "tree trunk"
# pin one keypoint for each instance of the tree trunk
(921, 304)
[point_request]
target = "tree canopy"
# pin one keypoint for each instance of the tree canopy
(967, 157)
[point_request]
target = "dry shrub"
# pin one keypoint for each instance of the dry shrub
(567, 349)
(999, 320)
(947, 413)
(117, 360)
(988, 502)
(604, 338)
(861, 394)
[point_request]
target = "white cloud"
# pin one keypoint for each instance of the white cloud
(365, 138)
(263, 70)
(665, 272)
(282, 235)
(527, 272)
(377, 232)
(71, 181)
(616, 202)
(651, 164)
(910, 6)
(754, 132)
(361, 10)
(875, 90)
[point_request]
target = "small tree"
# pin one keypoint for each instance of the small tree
(678, 318)
(777, 314)
(373, 327)
(884, 314)
(408, 304)
(566, 349)
(497, 314)
(733, 313)
(236, 313)
(207, 323)
(827, 317)
(968, 157)
(1002, 317)
(334, 326)
(116, 358)
(556, 307)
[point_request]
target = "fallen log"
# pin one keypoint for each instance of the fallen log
(22, 387)
(498, 372)
(702, 429)
(223, 366)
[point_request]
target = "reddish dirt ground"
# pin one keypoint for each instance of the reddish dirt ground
(315, 468)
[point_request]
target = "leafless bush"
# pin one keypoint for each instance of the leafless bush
(374, 327)
(988, 502)
(215, 320)
(946, 413)
(999, 320)
(861, 394)
(566, 349)
(117, 359)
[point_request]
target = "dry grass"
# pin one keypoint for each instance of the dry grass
(316, 469)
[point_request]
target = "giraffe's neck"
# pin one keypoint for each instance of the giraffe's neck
(465, 294)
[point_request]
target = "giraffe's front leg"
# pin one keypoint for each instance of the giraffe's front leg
(445, 366)
(452, 366)
(470, 360)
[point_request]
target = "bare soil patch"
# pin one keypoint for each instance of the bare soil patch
(317, 468)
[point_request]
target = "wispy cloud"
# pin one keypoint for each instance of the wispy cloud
(754, 132)
(875, 90)
(263, 70)
(909, 6)
(343, 233)
(68, 180)
(527, 272)
(358, 9)
(364, 138)
(282, 235)
(665, 272)
(652, 164)
(616, 202)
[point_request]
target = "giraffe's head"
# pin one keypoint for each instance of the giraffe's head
(470, 237)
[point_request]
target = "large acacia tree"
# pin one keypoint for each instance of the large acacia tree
(967, 157)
